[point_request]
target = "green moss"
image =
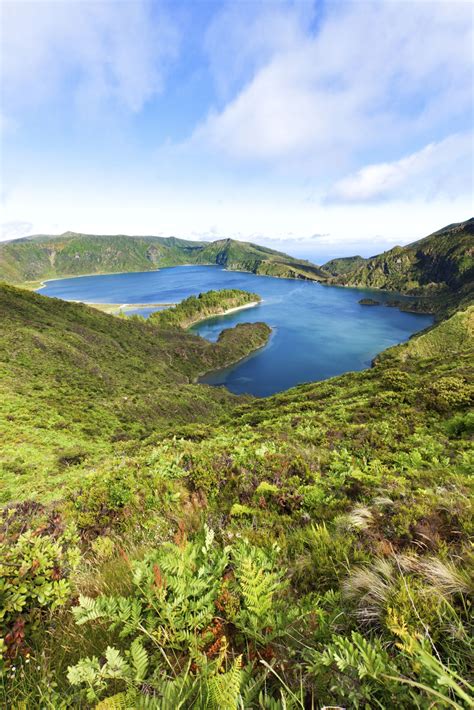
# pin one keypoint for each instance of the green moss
(239, 511)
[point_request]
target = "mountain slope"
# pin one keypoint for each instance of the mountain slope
(245, 256)
(70, 254)
(42, 257)
(74, 380)
(200, 540)
(343, 265)
(337, 520)
(439, 267)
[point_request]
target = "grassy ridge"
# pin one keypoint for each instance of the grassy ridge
(43, 257)
(75, 380)
(73, 254)
(438, 268)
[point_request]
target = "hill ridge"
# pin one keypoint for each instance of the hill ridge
(40, 257)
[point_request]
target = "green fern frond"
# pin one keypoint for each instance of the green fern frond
(139, 658)
(114, 702)
(258, 584)
(224, 688)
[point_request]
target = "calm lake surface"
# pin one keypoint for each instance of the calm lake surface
(318, 331)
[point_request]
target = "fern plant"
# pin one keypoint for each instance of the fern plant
(355, 669)
(188, 598)
(258, 580)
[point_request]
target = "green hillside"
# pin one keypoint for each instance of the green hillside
(71, 254)
(244, 256)
(165, 544)
(34, 259)
(74, 381)
(343, 265)
(439, 268)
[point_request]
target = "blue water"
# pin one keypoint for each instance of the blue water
(318, 331)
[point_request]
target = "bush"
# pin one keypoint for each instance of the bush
(34, 577)
(450, 393)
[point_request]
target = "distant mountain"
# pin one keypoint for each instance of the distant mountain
(343, 265)
(71, 254)
(438, 270)
(439, 267)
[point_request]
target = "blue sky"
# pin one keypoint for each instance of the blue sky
(320, 128)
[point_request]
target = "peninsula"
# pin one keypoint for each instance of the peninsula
(197, 308)
(437, 270)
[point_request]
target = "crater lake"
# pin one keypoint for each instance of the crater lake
(318, 331)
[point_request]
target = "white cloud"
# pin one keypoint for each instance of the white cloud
(244, 37)
(275, 218)
(375, 76)
(88, 51)
(444, 168)
(15, 229)
(348, 98)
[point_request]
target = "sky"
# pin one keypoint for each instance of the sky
(320, 128)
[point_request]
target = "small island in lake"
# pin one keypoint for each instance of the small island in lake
(206, 305)
(369, 302)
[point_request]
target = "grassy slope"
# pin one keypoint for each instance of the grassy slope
(71, 254)
(370, 468)
(440, 267)
(74, 380)
(260, 260)
(74, 254)
(343, 265)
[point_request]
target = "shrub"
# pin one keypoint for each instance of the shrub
(449, 393)
(34, 577)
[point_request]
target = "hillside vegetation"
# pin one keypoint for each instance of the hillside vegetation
(75, 381)
(169, 545)
(438, 268)
(343, 265)
(34, 259)
(335, 563)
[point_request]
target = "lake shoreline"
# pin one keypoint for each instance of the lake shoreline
(223, 313)
(31, 285)
(197, 380)
(318, 333)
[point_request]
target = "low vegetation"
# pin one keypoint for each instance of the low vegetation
(77, 384)
(168, 545)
